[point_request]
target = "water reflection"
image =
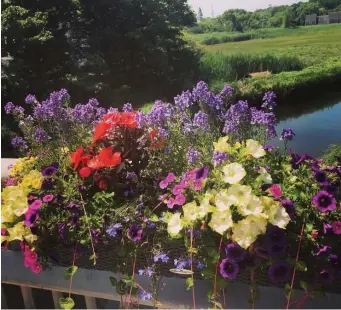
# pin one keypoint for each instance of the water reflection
(316, 127)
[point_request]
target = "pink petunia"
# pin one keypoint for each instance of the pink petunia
(36, 204)
(171, 203)
(198, 184)
(180, 199)
(275, 191)
(178, 189)
(31, 256)
(163, 197)
(36, 268)
(48, 198)
(170, 177)
(163, 184)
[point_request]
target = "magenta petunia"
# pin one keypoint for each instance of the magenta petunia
(163, 184)
(229, 269)
(336, 225)
(275, 190)
(198, 185)
(36, 204)
(31, 216)
(135, 233)
(48, 198)
(180, 199)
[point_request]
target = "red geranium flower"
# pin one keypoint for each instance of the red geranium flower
(78, 157)
(128, 119)
(105, 158)
(101, 130)
(85, 172)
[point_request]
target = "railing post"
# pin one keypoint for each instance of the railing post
(56, 295)
(27, 297)
(90, 302)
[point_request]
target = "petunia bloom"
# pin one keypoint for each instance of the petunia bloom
(135, 233)
(228, 269)
(324, 201)
(279, 271)
(275, 191)
(48, 198)
(336, 225)
(234, 252)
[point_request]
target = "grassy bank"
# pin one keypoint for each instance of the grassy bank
(303, 59)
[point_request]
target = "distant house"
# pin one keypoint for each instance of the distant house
(335, 17)
(311, 19)
(323, 19)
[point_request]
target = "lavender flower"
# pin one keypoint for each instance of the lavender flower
(201, 120)
(18, 110)
(229, 269)
(181, 263)
(9, 107)
(31, 99)
(145, 295)
(19, 143)
(287, 134)
(227, 91)
(184, 101)
(200, 266)
(192, 156)
(269, 100)
(41, 135)
(115, 230)
(219, 158)
(127, 107)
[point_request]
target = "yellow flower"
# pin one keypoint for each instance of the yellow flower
(29, 237)
(264, 176)
(253, 148)
(239, 194)
(65, 150)
(233, 173)
(253, 206)
(17, 232)
(175, 224)
(221, 221)
(7, 214)
(36, 183)
(222, 145)
(222, 201)
(191, 212)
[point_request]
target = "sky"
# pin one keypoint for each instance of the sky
(219, 6)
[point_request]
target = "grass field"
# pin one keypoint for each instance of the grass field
(317, 47)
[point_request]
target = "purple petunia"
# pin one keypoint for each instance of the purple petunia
(135, 233)
(234, 252)
(327, 228)
(324, 250)
(324, 201)
(31, 216)
(49, 171)
(321, 177)
(279, 271)
(289, 207)
(229, 269)
(275, 235)
(336, 225)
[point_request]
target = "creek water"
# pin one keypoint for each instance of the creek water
(316, 123)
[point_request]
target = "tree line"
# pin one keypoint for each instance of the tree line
(278, 16)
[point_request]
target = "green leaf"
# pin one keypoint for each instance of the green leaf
(69, 272)
(304, 285)
(66, 303)
(301, 266)
(92, 257)
(309, 227)
(113, 281)
(287, 290)
(121, 287)
(189, 283)
(128, 280)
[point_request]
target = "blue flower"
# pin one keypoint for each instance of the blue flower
(145, 295)
(114, 230)
(127, 107)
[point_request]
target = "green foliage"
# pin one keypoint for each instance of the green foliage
(66, 303)
(332, 154)
(218, 66)
(113, 281)
(189, 283)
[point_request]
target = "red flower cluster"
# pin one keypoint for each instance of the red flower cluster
(104, 159)
(113, 119)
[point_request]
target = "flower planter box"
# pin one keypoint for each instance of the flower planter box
(95, 283)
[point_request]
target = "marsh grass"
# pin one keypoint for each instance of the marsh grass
(219, 66)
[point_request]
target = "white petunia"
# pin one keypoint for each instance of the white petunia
(239, 194)
(264, 176)
(233, 173)
(191, 211)
(221, 221)
(175, 224)
(253, 206)
(222, 201)
(279, 217)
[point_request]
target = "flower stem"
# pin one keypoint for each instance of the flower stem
(216, 273)
(91, 239)
(193, 289)
(252, 288)
(133, 279)
(294, 271)
(73, 264)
